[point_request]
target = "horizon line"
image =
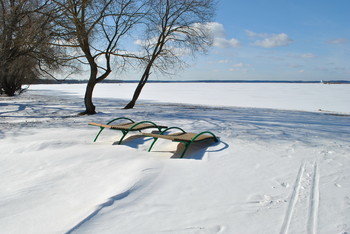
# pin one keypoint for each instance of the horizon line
(74, 81)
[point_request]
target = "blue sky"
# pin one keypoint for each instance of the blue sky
(277, 40)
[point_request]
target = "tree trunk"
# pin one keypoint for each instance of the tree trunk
(89, 106)
(137, 92)
(139, 87)
(9, 86)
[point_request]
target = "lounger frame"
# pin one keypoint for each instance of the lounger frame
(125, 131)
(186, 142)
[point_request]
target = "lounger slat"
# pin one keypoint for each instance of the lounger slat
(126, 126)
(136, 128)
(169, 137)
(189, 136)
(180, 136)
(107, 126)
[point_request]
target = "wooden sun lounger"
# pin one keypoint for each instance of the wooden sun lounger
(186, 138)
(125, 128)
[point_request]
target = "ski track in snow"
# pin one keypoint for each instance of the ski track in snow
(293, 200)
(314, 202)
(305, 195)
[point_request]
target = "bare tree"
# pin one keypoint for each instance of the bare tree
(25, 49)
(173, 28)
(96, 28)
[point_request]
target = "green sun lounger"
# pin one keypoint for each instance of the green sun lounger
(187, 138)
(127, 127)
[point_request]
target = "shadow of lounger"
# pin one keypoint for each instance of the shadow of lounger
(187, 138)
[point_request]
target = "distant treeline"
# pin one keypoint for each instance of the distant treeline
(71, 81)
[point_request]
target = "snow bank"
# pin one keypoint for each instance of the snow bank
(274, 171)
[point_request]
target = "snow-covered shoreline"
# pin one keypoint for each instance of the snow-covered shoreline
(274, 171)
(303, 97)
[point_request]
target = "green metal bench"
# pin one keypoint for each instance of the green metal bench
(127, 127)
(187, 138)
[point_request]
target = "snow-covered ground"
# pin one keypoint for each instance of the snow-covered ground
(281, 166)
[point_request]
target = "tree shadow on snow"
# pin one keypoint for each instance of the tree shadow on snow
(45, 110)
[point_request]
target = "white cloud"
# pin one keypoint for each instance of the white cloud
(308, 55)
(180, 51)
(254, 34)
(241, 65)
(224, 61)
(270, 40)
(234, 69)
(140, 42)
(238, 70)
(338, 41)
(220, 40)
(167, 48)
(225, 43)
(303, 56)
(294, 65)
(216, 29)
(276, 40)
